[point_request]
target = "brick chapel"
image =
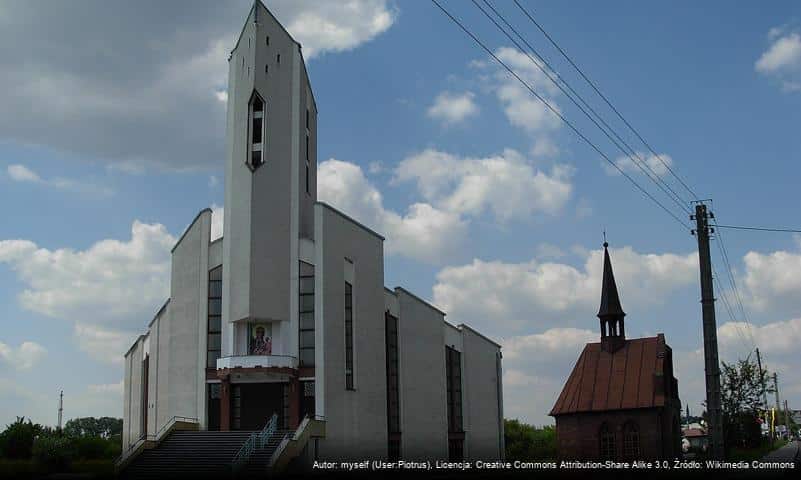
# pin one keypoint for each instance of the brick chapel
(621, 402)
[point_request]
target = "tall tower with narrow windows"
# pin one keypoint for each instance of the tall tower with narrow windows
(270, 182)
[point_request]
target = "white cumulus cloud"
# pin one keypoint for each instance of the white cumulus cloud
(424, 232)
(451, 108)
(23, 357)
(506, 184)
(506, 298)
(782, 60)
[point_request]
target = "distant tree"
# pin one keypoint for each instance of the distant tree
(104, 427)
(16, 441)
(743, 388)
(526, 442)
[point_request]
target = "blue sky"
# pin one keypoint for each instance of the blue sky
(112, 138)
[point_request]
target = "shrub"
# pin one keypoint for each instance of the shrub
(53, 453)
(16, 441)
(90, 447)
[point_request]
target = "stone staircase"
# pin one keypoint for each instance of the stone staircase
(201, 454)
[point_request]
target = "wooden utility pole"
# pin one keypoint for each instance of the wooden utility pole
(778, 403)
(711, 363)
(764, 389)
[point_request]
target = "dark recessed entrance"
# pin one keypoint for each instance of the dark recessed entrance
(252, 405)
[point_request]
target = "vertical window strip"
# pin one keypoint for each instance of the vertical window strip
(393, 396)
(453, 373)
(306, 314)
(348, 336)
(214, 318)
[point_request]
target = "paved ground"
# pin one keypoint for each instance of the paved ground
(788, 453)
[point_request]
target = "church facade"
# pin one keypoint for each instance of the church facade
(621, 401)
(287, 313)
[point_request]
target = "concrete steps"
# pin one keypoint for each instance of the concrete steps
(201, 454)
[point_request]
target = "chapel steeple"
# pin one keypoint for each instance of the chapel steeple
(613, 335)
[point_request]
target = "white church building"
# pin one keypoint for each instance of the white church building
(287, 316)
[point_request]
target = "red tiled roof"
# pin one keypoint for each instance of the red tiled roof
(693, 432)
(620, 380)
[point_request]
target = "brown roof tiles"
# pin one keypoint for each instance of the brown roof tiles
(610, 381)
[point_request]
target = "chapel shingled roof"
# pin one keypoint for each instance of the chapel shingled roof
(631, 377)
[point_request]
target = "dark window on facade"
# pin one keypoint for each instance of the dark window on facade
(213, 401)
(236, 407)
(631, 441)
(455, 449)
(266, 69)
(307, 178)
(393, 396)
(255, 158)
(257, 130)
(278, 58)
(258, 104)
(214, 324)
(453, 373)
(606, 438)
(267, 38)
(394, 450)
(307, 148)
(257, 125)
(348, 336)
(306, 314)
(285, 413)
(307, 399)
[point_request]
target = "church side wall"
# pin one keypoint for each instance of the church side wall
(422, 386)
(356, 420)
(482, 397)
(187, 326)
(132, 403)
(577, 435)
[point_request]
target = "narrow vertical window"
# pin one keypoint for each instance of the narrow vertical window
(213, 343)
(308, 182)
(257, 132)
(607, 442)
(631, 441)
(348, 336)
(453, 378)
(393, 384)
(306, 314)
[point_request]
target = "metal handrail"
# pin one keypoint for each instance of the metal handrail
(255, 441)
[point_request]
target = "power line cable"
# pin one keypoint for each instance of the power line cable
(606, 100)
(556, 112)
(760, 229)
(630, 153)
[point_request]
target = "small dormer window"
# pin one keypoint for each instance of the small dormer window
(257, 134)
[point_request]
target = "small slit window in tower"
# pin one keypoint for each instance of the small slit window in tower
(267, 39)
(278, 58)
(257, 134)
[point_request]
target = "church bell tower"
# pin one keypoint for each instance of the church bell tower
(611, 314)
(270, 182)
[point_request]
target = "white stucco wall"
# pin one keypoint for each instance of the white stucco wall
(482, 399)
(356, 421)
(423, 390)
(188, 316)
